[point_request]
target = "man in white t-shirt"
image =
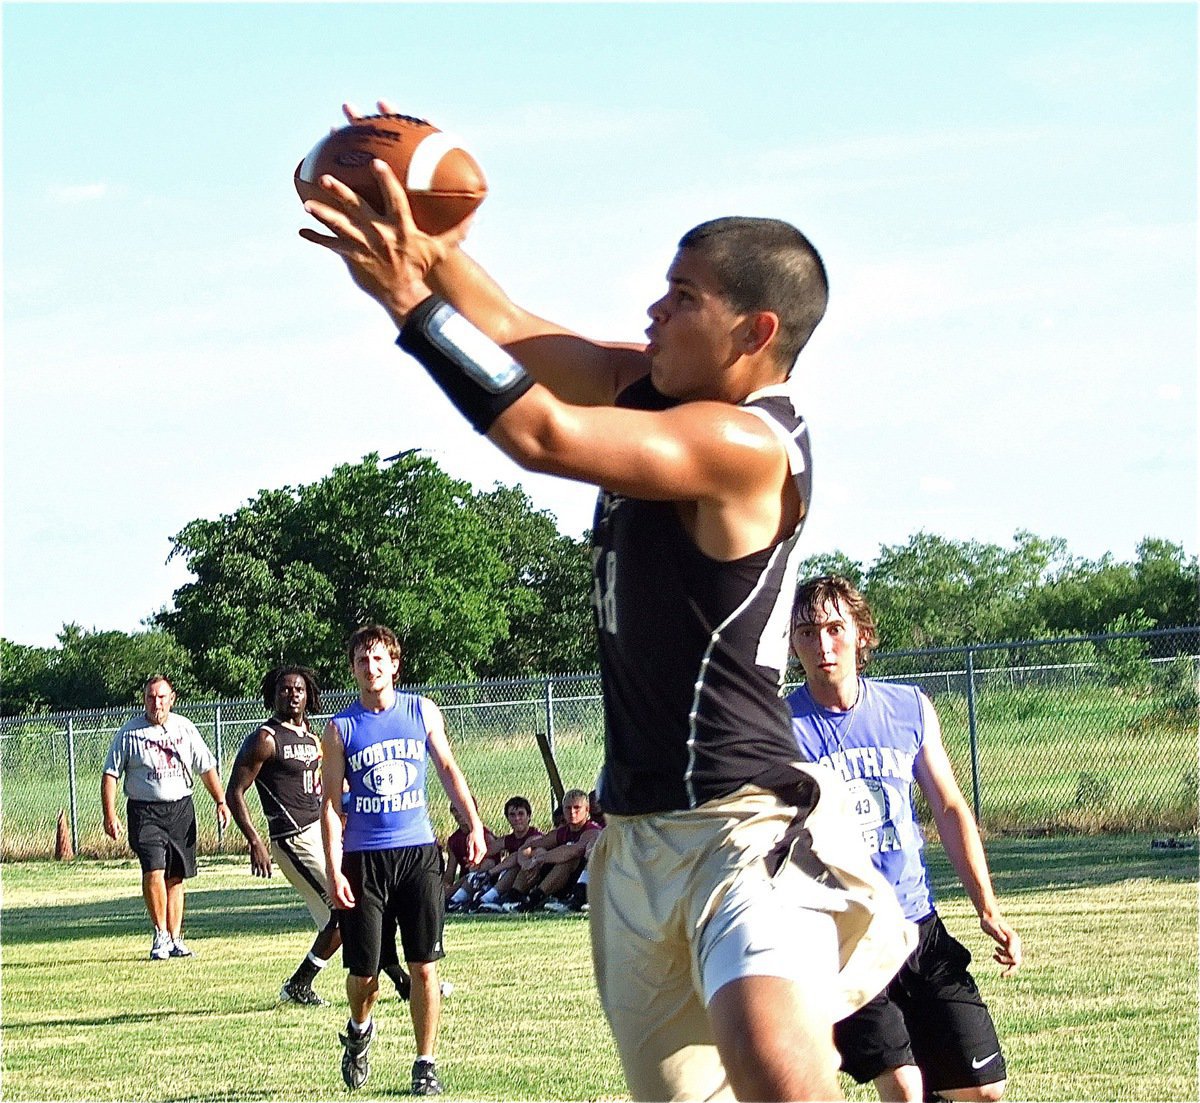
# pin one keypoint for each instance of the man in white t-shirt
(160, 755)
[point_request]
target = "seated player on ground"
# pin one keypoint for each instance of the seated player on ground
(499, 879)
(550, 866)
(461, 878)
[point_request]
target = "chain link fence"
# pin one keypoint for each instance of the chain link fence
(1087, 734)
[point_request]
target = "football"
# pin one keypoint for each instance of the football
(441, 179)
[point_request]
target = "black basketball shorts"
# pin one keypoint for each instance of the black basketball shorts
(162, 833)
(930, 1015)
(394, 890)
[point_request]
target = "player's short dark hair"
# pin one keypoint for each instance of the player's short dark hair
(834, 589)
(518, 802)
(158, 678)
(766, 264)
(270, 684)
(368, 636)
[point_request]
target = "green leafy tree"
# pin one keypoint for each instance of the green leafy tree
(288, 576)
(22, 685)
(1086, 596)
(832, 563)
(548, 591)
(1167, 583)
(96, 669)
(935, 592)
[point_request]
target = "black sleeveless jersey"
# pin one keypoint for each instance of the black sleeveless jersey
(693, 651)
(289, 783)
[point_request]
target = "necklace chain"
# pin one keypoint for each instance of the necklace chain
(852, 715)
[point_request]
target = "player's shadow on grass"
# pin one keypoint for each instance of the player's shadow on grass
(1021, 865)
(264, 909)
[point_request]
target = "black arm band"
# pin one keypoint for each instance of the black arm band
(478, 376)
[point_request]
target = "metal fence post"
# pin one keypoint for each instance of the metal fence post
(220, 772)
(973, 732)
(550, 725)
(71, 789)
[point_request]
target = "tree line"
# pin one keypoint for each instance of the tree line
(480, 584)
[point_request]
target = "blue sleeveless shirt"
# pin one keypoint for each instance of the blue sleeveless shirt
(385, 766)
(873, 746)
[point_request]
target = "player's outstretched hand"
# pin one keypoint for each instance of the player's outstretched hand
(1008, 953)
(384, 107)
(387, 254)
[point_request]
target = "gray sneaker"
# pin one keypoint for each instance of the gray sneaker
(160, 948)
(425, 1078)
(355, 1065)
(179, 948)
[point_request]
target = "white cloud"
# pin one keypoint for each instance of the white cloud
(1097, 61)
(78, 193)
(898, 149)
(537, 124)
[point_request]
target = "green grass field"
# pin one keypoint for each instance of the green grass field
(1105, 1007)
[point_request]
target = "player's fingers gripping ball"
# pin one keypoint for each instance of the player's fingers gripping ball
(442, 181)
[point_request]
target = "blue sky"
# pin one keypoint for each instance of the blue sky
(1004, 195)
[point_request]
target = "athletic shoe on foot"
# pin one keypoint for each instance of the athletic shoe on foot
(179, 948)
(302, 994)
(559, 907)
(160, 948)
(355, 1065)
(493, 906)
(425, 1079)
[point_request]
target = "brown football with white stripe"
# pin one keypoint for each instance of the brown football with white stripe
(442, 180)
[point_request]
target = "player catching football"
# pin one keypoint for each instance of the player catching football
(723, 885)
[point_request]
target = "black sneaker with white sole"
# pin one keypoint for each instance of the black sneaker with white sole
(425, 1078)
(355, 1064)
(291, 992)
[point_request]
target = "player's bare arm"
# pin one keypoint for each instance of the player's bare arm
(257, 750)
(212, 782)
(452, 779)
(333, 777)
(569, 852)
(399, 266)
(575, 368)
(720, 458)
(724, 464)
(108, 802)
(960, 837)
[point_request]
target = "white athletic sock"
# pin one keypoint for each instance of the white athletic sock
(489, 897)
(360, 1028)
(318, 963)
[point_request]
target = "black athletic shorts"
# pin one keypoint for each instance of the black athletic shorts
(931, 1015)
(162, 833)
(398, 889)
